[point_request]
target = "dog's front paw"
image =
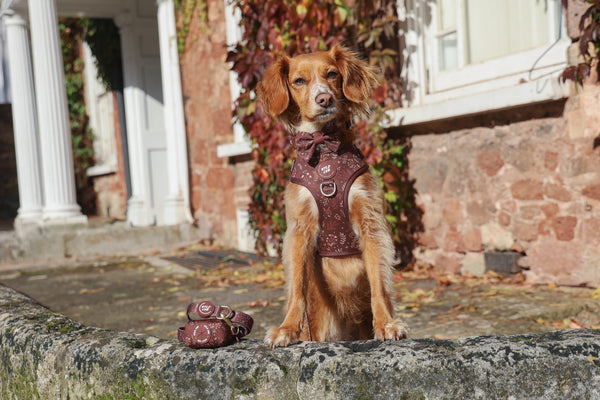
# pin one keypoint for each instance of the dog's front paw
(393, 330)
(281, 336)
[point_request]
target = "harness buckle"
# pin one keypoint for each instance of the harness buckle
(328, 189)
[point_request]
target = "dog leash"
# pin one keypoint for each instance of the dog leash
(307, 326)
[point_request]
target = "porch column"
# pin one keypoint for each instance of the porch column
(24, 120)
(137, 207)
(55, 133)
(176, 206)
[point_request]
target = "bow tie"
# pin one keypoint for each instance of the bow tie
(306, 143)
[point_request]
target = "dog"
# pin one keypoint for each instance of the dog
(332, 295)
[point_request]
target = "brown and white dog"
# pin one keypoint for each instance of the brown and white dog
(344, 297)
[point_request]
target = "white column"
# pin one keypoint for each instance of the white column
(176, 206)
(137, 207)
(53, 119)
(24, 120)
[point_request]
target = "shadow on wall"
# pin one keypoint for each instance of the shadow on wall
(410, 222)
(9, 191)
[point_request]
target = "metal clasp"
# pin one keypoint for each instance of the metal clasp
(328, 189)
(235, 329)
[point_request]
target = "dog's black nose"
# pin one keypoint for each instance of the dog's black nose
(325, 100)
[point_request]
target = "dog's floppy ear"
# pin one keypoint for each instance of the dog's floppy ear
(358, 78)
(273, 91)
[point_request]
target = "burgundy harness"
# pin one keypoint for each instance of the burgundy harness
(327, 169)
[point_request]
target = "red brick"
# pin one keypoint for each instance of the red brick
(556, 262)
(556, 192)
(550, 209)
(544, 228)
(220, 178)
(527, 189)
(490, 163)
(551, 160)
(478, 213)
(525, 231)
(453, 241)
(592, 191)
(590, 231)
(504, 219)
(472, 240)
(453, 212)
(529, 212)
(427, 241)
(564, 227)
(449, 262)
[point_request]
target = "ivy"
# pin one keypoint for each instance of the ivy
(81, 134)
(184, 11)
(589, 43)
(272, 28)
(102, 36)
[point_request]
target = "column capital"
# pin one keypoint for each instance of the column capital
(11, 7)
(123, 21)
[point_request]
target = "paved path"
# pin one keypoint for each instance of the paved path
(150, 292)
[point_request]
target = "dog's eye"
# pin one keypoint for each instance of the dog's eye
(299, 81)
(332, 75)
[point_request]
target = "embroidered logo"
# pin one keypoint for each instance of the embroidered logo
(326, 169)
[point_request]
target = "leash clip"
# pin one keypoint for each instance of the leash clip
(235, 328)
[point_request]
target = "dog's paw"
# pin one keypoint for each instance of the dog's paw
(393, 330)
(277, 337)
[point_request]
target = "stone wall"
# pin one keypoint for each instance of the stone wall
(531, 186)
(44, 355)
(207, 105)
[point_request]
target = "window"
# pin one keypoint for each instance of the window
(460, 48)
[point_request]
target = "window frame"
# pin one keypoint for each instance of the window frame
(426, 86)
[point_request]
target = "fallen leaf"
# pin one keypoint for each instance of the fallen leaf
(574, 324)
(86, 291)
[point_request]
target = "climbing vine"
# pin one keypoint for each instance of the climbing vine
(589, 43)
(272, 28)
(184, 11)
(102, 36)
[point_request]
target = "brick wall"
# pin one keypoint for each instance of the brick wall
(531, 186)
(110, 189)
(215, 185)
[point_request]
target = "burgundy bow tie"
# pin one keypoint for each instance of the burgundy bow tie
(306, 143)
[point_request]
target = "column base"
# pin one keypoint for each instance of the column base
(63, 215)
(138, 214)
(175, 211)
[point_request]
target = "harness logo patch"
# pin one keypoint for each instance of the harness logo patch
(326, 170)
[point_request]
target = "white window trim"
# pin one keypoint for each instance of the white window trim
(241, 144)
(495, 85)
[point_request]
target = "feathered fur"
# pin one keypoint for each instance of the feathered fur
(331, 298)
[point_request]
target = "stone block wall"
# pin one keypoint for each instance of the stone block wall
(44, 355)
(214, 182)
(531, 186)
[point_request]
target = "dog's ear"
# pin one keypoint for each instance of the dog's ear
(358, 78)
(273, 91)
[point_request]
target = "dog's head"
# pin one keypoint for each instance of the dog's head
(310, 90)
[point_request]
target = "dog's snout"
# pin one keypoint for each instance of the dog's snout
(325, 100)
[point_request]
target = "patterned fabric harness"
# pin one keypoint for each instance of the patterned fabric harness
(327, 169)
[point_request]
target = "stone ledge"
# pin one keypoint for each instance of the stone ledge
(59, 242)
(48, 356)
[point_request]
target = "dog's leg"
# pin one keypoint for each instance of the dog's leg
(368, 218)
(299, 247)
